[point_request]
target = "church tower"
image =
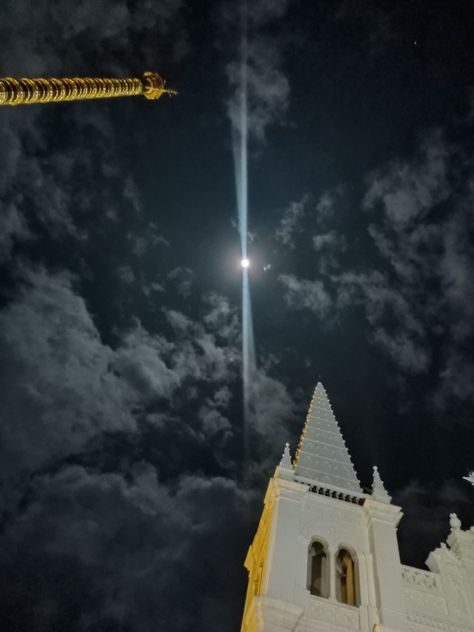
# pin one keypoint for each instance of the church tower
(325, 556)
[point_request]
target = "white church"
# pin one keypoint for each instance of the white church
(325, 556)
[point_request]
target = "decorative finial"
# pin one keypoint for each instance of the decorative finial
(286, 468)
(469, 478)
(286, 458)
(454, 522)
(379, 493)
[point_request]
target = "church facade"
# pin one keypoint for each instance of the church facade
(325, 556)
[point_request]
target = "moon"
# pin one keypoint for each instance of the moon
(245, 263)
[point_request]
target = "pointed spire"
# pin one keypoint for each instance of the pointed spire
(286, 468)
(286, 458)
(322, 455)
(379, 493)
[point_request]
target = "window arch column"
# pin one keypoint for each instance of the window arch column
(332, 567)
(346, 578)
(318, 570)
(332, 573)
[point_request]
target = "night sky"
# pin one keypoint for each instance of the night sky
(127, 499)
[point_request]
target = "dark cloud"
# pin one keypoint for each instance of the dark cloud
(36, 38)
(142, 361)
(406, 193)
(43, 183)
(92, 544)
(108, 551)
(274, 410)
(126, 274)
(56, 378)
(328, 240)
(127, 499)
(67, 385)
(329, 246)
(420, 220)
(147, 239)
(291, 222)
(183, 277)
(14, 228)
(305, 294)
(326, 204)
(305, 218)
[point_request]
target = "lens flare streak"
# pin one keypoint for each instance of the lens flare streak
(240, 151)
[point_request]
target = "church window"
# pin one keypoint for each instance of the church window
(318, 583)
(346, 578)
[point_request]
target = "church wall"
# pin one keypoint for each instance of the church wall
(440, 599)
(300, 517)
(430, 606)
(325, 557)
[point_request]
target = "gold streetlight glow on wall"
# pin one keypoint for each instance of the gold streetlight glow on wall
(28, 91)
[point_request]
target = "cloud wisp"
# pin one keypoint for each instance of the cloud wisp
(418, 221)
(266, 86)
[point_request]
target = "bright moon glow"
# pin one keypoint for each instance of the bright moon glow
(245, 263)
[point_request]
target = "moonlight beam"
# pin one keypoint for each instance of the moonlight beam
(29, 91)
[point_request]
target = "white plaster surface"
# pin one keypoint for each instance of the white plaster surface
(392, 597)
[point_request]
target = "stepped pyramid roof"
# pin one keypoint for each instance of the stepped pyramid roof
(322, 456)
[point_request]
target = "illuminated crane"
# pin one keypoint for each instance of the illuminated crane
(28, 91)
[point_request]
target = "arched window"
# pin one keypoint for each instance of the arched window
(346, 578)
(318, 574)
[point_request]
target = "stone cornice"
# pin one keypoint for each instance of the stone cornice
(382, 512)
(288, 489)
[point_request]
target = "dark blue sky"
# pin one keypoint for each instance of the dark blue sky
(126, 503)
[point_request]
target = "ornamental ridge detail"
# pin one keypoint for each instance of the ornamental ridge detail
(418, 578)
(322, 455)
